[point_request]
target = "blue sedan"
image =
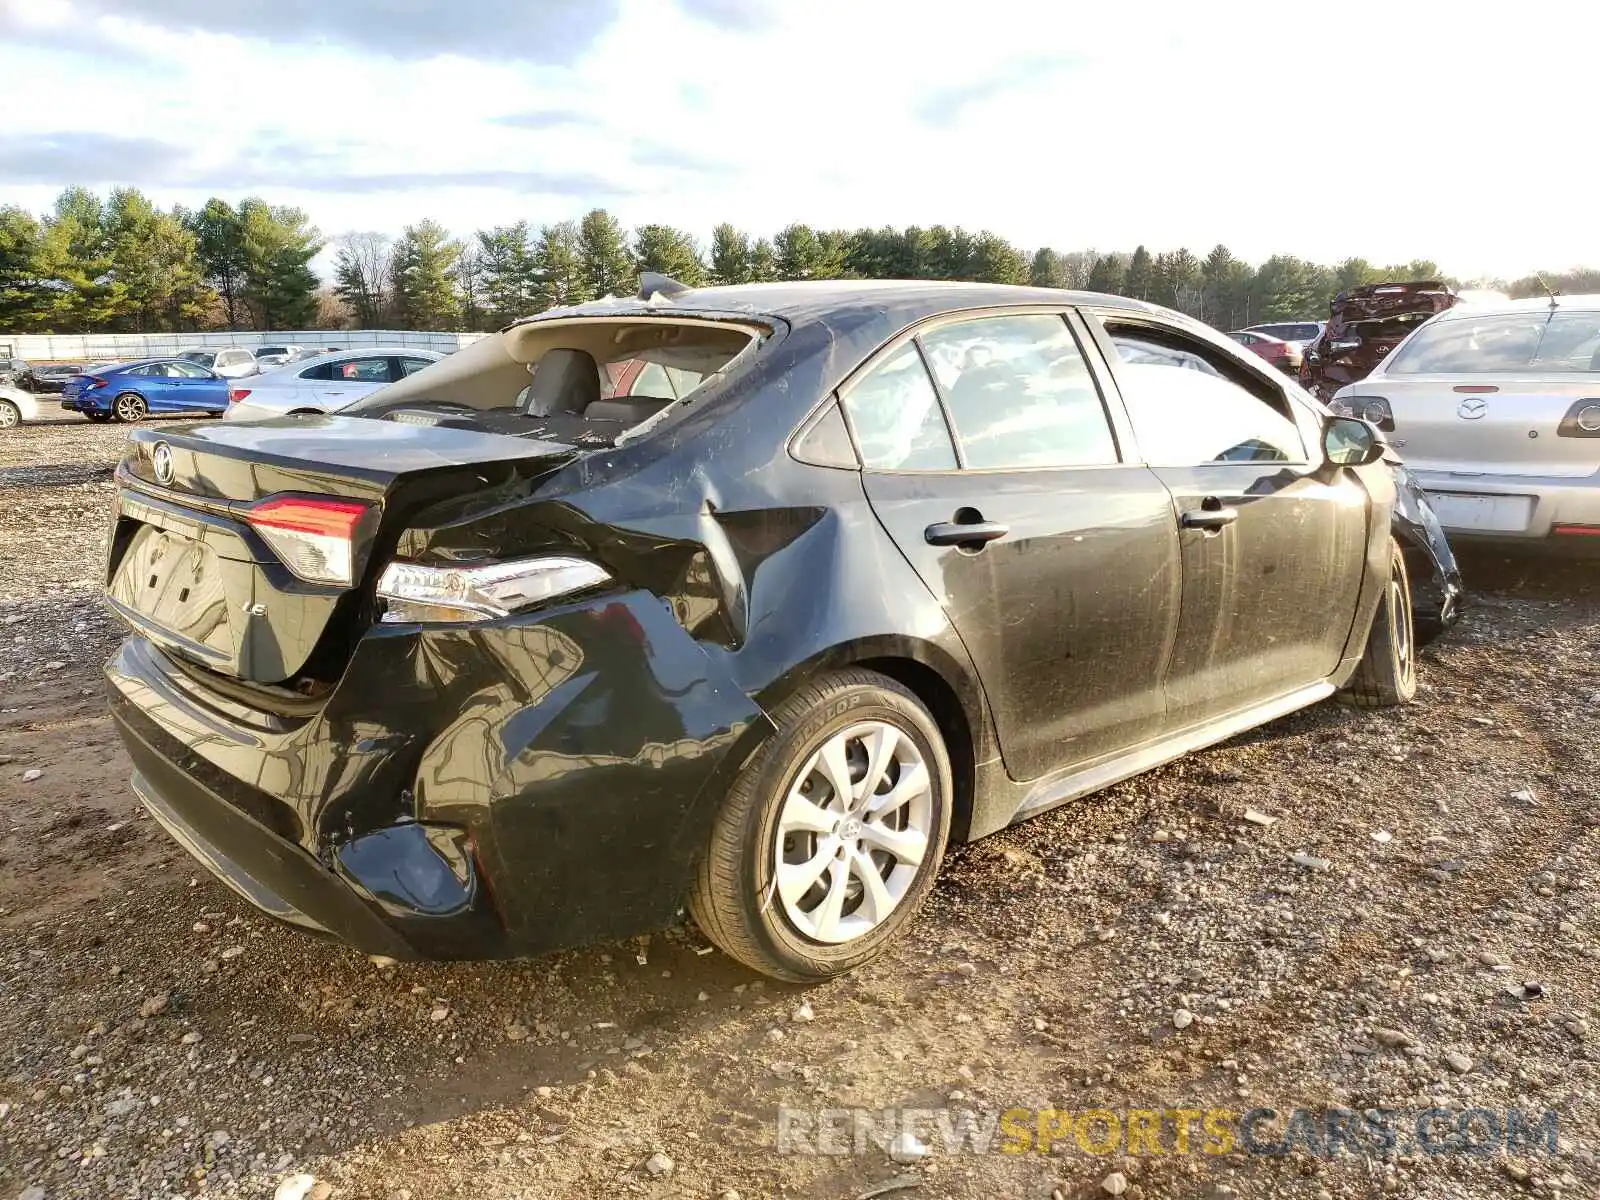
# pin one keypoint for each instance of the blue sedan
(130, 391)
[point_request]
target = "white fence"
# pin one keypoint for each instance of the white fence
(90, 347)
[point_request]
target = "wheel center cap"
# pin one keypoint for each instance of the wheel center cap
(849, 828)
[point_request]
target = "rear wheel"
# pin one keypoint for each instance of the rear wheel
(1388, 672)
(829, 839)
(129, 408)
(10, 415)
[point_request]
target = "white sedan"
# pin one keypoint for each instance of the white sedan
(16, 406)
(1496, 409)
(324, 383)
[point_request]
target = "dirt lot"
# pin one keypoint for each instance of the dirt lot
(1437, 944)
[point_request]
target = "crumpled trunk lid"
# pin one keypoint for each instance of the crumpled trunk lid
(189, 571)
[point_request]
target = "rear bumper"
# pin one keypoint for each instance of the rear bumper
(487, 792)
(85, 404)
(1557, 504)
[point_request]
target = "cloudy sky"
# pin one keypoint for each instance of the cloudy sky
(1330, 129)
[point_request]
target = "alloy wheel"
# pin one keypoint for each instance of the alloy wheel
(9, 415)
(853, 831)
(129, 408)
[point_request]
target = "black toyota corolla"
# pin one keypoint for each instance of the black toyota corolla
(747, 599)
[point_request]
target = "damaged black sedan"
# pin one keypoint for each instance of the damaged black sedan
(742, 599)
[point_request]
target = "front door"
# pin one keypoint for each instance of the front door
(1273, 541)
(991, 463)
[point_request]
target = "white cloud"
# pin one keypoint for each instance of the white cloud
(1389, 131)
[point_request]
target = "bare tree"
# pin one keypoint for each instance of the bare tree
(361, 274)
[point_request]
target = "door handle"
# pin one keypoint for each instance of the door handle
(975, 534)
(1207, 518)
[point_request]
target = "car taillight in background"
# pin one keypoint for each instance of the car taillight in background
(314, 537)
(237, 394)
(94, 381)
(1368, 408)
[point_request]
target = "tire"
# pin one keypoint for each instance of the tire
(129, 408)
(1387, 674)
(736, 898)
(10, 415)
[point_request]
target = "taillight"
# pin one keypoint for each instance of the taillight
(1582, 420)
(314, 538)
(237, 394)
(1374, 409)
(414, 592)
(96, 382)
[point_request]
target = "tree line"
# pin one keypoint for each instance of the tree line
(121, 264)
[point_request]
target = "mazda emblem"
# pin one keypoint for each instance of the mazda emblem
(161, 461)
(1472, 408)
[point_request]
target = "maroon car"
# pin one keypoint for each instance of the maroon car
(1366, 323)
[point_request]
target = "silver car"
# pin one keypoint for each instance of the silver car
(324, 383)
(1496, 409)
(17, 406)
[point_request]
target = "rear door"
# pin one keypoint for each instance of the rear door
(352, 378)
(1273, 544)
(992, 463)
(158, 387)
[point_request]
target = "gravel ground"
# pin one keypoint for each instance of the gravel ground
(1160, 947)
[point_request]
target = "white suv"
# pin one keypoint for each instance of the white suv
(232, 363)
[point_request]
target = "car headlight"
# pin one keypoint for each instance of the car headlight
(413, 592)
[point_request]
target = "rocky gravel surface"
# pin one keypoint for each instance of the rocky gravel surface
(1343, 910)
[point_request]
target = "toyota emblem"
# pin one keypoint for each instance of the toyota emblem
(1472, 408)
(161, 460)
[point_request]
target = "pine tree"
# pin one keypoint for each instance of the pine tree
(153, 261)
(763, 262)
(24, 294)
(995, 260)
(510, 271)
(730, 255)
(1141, 277)
(608, 268)
(1108, 276)
(668, 251)
(949, 253)
(219, 242)
(279, 244)
(1047, 270)
(422, 274)
(75, 252)
(799, 254)
(559, 260)
(1178, 281)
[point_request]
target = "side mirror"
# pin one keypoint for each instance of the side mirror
(1348, 442)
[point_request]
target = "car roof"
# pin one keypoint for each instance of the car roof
(1533, 305)
(144, 362)
(835, 303)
